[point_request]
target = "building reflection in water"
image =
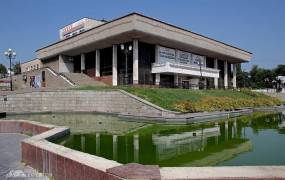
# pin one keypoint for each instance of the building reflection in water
(174, 146)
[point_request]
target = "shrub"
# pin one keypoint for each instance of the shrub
(223, 104)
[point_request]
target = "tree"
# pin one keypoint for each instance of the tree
(16, 67)
(261, 78)
(243, 80)
(3, 70)
(280, 70)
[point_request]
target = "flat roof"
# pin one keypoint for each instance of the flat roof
(135, 13)
(29, 60)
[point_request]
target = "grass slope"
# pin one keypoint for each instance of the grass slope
(185, 100)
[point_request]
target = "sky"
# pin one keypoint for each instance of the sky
(254, 25)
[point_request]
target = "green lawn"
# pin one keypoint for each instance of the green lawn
(185, 100)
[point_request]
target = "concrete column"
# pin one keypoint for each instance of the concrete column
(97, 73)
(64, 65)
(157, 79)
(136, 148)
(135, 62)
(156, 53)
(115, 147)
(226, 74)
(82, 62)
(234, 75)
(114, 70)
(176, 80)
(216, 80)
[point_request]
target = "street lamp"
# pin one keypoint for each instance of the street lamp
(126, 50)
(10, 54)
(266, 83)
(200, 63)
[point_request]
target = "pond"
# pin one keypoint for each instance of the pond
(258, 139)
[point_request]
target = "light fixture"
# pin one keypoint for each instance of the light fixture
(10, 54)
(122, 47)
(130, 47)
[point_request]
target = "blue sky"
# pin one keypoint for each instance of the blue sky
(254, 25)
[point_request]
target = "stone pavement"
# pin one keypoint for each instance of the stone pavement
(280, 96)
(10, 160)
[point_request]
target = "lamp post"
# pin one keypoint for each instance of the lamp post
(200, 63)
(266, 83)
(126, 50)
(10, 54)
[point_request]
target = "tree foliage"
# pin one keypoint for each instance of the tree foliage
(3, 69)
(16, 67)
(259, 77)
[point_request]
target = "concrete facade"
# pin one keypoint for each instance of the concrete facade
(31, 65)
(136, 28)
(52, 80)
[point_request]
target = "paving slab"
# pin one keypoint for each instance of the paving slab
(10, 159)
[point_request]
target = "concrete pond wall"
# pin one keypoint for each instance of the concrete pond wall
(63, 163)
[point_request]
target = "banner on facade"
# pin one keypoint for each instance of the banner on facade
(197, 59)
(184, 57)
(166, 54)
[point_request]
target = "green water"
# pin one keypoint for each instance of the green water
(258, 139)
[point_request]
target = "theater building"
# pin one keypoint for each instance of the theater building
(139, 50)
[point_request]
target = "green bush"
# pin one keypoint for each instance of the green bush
(223, 104)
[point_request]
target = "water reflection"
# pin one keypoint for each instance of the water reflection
(207, 144)
(249, 140)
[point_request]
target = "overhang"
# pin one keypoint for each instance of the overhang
(146, 29)
(177, 68)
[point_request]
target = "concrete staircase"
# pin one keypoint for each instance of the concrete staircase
(81, 79)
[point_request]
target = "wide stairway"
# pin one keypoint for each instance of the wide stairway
(81, 79)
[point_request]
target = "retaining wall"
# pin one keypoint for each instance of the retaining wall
(63, 163)
(76, 101)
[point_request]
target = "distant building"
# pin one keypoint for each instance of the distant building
(161, 54)
(31, 65)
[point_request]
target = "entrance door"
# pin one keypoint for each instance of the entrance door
(185, 84)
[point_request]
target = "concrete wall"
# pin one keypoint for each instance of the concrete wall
(31, 65)
(55, 160)
(51, 80)
(65, 65)
(53, 63)
(85, 101)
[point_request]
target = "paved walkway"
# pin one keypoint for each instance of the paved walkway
(10, 160)
(280, 96)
